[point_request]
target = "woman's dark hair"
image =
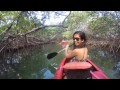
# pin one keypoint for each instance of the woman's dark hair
(83, 37)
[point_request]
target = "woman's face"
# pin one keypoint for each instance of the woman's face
(77, 39)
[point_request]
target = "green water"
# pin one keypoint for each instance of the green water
(32, 63)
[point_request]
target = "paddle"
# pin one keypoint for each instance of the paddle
(53, 54)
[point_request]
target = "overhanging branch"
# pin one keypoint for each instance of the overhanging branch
(42, 27)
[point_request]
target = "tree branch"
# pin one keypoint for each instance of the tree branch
(66, 17)
(44, 26)
(9, 27)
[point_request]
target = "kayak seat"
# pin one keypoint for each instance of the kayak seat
(77, 65)
(78, 74)
(77, 70)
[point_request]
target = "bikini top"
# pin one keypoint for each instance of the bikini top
(75, 59)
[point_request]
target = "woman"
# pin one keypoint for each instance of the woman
(79, 54)
(80, 50)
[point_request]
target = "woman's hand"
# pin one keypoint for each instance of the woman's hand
(67, 45)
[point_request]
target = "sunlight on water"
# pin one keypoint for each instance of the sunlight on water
(47, 74)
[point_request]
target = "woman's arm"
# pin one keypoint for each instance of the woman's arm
(69, 54)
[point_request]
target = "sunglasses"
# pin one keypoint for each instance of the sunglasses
(77, 39)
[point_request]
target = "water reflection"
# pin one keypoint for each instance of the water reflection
(27, 64)
(32, 63)
(106, 62)
(116, 69)
(47, 73)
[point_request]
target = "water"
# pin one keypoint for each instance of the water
(32, 63)
(108, 63)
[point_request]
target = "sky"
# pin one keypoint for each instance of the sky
(54, 20)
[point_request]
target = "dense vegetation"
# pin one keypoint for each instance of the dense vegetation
(26, 39)
(20, 29)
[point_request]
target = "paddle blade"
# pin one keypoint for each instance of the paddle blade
(51, 55)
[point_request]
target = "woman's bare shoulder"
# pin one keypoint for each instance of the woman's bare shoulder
(80, 49)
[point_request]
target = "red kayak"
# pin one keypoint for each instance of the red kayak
(95, 72)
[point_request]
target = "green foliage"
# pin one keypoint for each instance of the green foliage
(77, 21)
(101, 25)
(96, 22)
(22, 22)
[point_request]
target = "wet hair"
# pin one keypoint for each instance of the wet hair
(82, 37)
